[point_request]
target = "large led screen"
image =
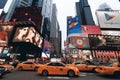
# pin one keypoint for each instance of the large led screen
(78, 42)
(5, 32)
(104, 42)
(28, 34)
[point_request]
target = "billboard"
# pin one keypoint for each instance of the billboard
(108, 19)
(106, 42)
(78, 42)
(28, 34)
(73, 26)
(111, 32)
(47, 47)
(90, 29)
(5, 32)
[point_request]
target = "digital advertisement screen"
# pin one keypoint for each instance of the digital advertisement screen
(28, 34)
(104, 41)
(5, 32)
(78, 42)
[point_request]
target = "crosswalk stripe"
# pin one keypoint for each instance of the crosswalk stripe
(65, 78)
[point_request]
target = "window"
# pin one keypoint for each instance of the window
(27, 63)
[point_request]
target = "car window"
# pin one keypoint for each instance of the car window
(76, 63)
(51, 64)
(118, 65)
(110, 65)
(59, 64)
(27, 63)
(55, 64)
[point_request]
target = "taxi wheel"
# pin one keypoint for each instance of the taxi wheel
(36, 69)
(20, 69)
(117, 74)
(71, 73)
(93, 70)
(44, 72)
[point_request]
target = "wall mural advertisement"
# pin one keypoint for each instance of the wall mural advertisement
(108, 19)
(104, 41)
(28, 34)
(5, 32)
(73, 26)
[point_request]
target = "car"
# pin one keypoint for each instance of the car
(8, 67)
(2, 71)
(83, 66)
(27, 65)
(58, 68)
(112, 69)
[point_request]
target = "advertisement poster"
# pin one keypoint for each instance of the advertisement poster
(90, 29)
(5, 32)
(73, 26)
(28, 34)
(78, 42)
(104, 42)
(108, 19)
(47, 47)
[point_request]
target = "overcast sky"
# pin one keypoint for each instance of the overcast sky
(67, 8)
(64, 8)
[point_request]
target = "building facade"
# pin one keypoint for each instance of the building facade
(84, 12)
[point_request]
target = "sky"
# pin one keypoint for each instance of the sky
(67, 8)
(64, 8)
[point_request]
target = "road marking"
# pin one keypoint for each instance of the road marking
(62, 78)
(83, 74)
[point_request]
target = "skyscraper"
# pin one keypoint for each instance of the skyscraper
(84, 12)
(2, 3)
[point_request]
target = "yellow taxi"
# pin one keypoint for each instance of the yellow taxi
(8, 67)
(27, 65)
(83, 66)
(58, 68)
(112, 69)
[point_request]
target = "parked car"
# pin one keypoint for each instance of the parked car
(58, 68)
(27, 65)
(83, 66)
(2, 71)
(112, 69)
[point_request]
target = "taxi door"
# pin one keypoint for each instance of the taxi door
(60, 69)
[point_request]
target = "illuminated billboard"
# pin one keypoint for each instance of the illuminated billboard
(105, 42)
(108, 19)
(90, 29)
(78, 42)
(111, 32)
(5, 32)
(73, 26)
(28, 34)
(47, 47)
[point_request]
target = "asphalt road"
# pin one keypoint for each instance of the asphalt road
(31, 75)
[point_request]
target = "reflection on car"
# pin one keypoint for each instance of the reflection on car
(58, 68)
